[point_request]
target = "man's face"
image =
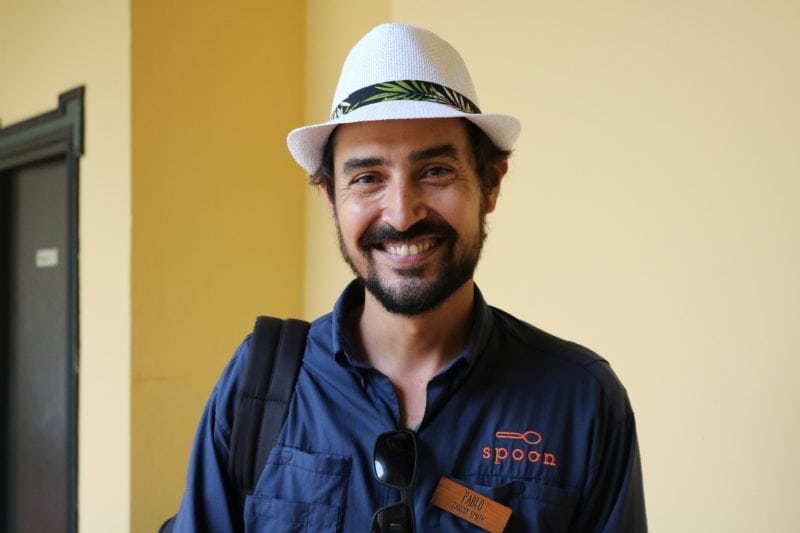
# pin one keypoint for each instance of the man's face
(408, 209)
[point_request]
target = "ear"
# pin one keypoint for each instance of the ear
(498, 171)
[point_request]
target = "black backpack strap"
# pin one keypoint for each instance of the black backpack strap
(276, 352)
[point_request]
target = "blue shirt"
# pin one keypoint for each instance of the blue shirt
(537, 423)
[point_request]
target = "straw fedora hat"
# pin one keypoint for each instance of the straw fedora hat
(395, 72)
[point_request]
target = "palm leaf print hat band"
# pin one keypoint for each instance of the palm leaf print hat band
(396, 72)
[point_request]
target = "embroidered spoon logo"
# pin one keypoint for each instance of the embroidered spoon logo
(530, 436)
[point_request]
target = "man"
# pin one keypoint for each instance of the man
(418, 406)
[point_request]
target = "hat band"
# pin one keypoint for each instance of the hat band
(414, 90)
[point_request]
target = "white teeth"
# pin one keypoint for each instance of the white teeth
(409, 249)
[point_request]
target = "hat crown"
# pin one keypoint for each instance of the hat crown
(400, 72)
(391, 52)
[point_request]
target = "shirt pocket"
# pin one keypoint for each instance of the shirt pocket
(299, 491)
(535, 506)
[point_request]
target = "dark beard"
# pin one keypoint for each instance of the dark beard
(415, 297)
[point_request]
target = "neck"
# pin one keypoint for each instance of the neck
(410, 350)
(419, 346)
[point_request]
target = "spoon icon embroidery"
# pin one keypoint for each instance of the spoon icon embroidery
(530, 436)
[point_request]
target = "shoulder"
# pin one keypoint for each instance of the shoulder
(226, 391)
(560, 362)
(321, 329)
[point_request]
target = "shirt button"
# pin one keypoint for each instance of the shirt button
(286, 455)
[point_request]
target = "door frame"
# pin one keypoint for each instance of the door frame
(58, 132)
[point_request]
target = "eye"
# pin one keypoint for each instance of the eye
(366, 183)
(365, 179)
(437, 172)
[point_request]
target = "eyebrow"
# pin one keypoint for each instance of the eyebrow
(355, 163)
(447, 150)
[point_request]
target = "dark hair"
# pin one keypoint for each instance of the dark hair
(485, 153)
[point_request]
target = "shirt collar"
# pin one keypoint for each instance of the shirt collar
(353, 296)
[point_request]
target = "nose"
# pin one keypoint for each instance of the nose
(403, 204)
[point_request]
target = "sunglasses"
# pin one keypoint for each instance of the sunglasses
(394, 463)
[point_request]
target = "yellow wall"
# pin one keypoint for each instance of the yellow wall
(46, 48)
(652, 213)
(217, 212)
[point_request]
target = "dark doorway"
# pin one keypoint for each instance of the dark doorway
(38, 319)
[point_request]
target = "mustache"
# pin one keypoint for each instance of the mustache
(386, 233)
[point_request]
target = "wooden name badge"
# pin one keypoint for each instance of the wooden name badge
(475, 508)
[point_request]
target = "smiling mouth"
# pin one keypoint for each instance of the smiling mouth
(414, 244)
(409, 249)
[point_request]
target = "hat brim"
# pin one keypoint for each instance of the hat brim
(306, 143)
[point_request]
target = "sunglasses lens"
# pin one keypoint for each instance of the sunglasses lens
(395, 458)
(393, 519)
